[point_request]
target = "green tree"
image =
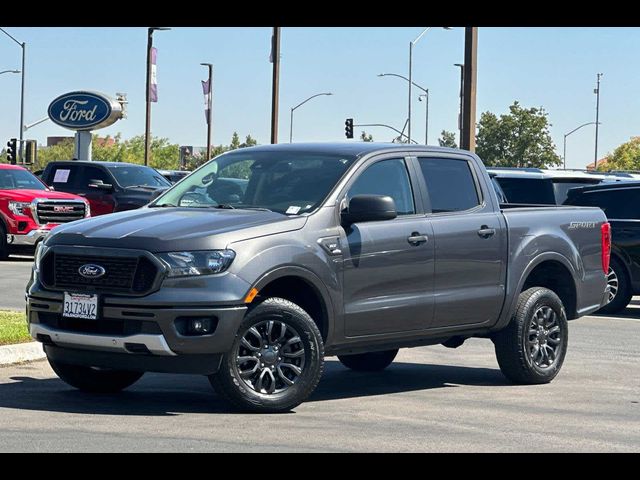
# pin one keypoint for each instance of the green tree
(365, 137)
(517, 139)
(447, 139)
(625, 157)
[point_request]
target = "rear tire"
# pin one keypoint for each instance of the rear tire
(531, 349)
(618, 279)
(369, 362)
(92, 380)
(4, 248)
(276, 359)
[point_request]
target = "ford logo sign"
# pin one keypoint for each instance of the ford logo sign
(91, 271)
(84, 110)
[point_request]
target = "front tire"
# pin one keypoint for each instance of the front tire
(619, 288)
(369, 362)
(531, 349)
(276, 359)
(4, 248)
(93, 380)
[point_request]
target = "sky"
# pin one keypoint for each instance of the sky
(554, 68)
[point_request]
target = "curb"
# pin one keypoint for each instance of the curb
(22, 352)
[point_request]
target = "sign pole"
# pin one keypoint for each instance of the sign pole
(82, 149)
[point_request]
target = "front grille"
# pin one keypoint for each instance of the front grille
(59, 211)
(132, 275)
(105, 326)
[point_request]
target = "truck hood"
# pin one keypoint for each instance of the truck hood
(173, 229)
(29, 195)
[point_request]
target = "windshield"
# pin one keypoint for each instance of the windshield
(291, 183)
(138, 176)
(11, 179)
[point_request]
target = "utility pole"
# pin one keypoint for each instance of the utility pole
(150, 61)
(468, 138)
(597, 92)
(209, 107)
(275, 85)
(22, 45)
(461, 101)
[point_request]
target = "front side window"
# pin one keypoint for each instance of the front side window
(14, 179)
(138, 176)
(388, 177)
(291, 183)
(450, 184)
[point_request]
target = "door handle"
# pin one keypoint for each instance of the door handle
(486, 232)
(416, 239)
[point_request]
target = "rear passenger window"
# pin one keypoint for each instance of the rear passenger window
(450, 184)
(63, 178)
(617, 204)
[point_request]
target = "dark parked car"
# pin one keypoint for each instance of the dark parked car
(621, 203)
(268, 258)
(546, 187)
(108, 186)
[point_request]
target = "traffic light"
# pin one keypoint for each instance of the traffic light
(12, 151)
(348, 127)
(31, 152)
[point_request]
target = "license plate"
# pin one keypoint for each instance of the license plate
(79, 305)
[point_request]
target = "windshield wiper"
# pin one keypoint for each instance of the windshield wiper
(162, 205)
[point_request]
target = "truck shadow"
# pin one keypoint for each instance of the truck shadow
(168, 395)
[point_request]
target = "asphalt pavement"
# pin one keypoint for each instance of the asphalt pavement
(429, 399)
(14, 275)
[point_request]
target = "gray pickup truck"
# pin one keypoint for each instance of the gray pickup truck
(267, 259)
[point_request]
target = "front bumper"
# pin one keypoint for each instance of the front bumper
(27, 240)
(131, 335)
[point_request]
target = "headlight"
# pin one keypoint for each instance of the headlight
(40, 250)
(188, 264)
(87, 209)
(20, 208)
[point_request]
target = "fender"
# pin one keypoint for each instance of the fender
(312, 279)
(507, 311)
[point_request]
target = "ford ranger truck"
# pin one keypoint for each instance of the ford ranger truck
(268, 259)
(29, 210)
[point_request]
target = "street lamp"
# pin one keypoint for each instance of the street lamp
(9, 71)
(461, 65)
(147, 130)
(425, 95)
(23, 45)
(411, 44)
(564, 150)
(299, 105)
(208, 108)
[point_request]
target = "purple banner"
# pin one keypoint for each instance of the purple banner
(206, 89)
(153, 87)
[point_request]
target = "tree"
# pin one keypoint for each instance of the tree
(625, 157)
(518, 139)
(447, 139)
(365, 137)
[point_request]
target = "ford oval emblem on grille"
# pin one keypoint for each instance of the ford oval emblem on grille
(91, 271)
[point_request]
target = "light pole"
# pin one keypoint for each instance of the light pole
(426, 94)
(564, 148)
(209, 109)
(299, 105)
(9, 71)
(597, 92)
(411, 44)
(147, 129)
(23, 45)
(461, 65)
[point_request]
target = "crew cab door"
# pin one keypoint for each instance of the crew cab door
(469, 240)
(102, 201)
(388, 280)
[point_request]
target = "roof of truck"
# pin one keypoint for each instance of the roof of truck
(7, 166)
(347, 148)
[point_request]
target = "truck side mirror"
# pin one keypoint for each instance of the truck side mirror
(99, 184)
(369, 208)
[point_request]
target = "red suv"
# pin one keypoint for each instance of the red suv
(29, 209)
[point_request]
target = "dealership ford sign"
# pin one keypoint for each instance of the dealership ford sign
(85, 110)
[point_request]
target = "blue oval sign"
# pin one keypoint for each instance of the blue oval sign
(91, 271)
(84, 110)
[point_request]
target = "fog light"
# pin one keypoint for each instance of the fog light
(199, 326)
